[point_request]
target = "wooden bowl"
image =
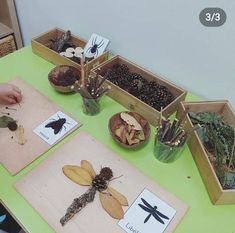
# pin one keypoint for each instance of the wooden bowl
(116, 121)
(62, 77)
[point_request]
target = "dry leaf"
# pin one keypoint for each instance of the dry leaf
(121, 133)
(20, 135)
(131, 139)
(130, 120)
(88, 167)
(129, 128)
(140, 135)
(121, 198)
(77, 174)
(111, 205)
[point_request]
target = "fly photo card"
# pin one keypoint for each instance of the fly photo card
(55, 127)
(95, 46)
(147, 214)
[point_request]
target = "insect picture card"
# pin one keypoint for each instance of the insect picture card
(95, 46)
(147, 214)
(55, 127)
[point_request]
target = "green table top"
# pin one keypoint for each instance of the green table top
(180, 178)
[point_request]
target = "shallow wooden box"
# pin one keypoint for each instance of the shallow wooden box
(41, 43)
(135, 104)
(217, 194)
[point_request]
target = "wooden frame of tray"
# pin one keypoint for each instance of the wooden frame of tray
(131, 102)
(40, 46)
(217, 194)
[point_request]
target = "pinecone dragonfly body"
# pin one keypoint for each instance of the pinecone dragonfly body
(109, 197)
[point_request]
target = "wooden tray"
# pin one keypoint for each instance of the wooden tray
(217, 194)
(32, 111)
(50, 192)
(131, 102)
(41, 43)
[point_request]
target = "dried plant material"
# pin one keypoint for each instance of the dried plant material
(218, 138)
(88, 167)
(140, 135)
(121, 198)
(111, 206)
(130, 120)
(111, 203)
(12, 126)
(78, 204)
(77, 175)
(130, 138)
(121, 133)
(20, 135)
(129, 128)
(5, 120)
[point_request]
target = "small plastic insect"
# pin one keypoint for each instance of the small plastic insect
(57, 125)
(94, 48)
(152, 210)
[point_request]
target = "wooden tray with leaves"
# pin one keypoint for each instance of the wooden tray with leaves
(211, 164)
(64, 188)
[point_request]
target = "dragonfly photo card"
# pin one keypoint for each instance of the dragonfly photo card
(95, 46)
(55, 127)
(8, 223)
(148, 214)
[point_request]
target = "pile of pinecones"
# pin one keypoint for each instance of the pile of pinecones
(150, 92)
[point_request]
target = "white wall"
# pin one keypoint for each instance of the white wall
(164, 36)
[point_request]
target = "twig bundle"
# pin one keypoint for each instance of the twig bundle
(91, 87)
(172, 133)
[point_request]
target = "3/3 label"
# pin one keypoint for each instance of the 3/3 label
(212, 17)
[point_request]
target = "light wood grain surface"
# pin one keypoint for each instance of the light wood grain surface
(32, 111)
(50, 192)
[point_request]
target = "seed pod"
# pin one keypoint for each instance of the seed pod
(121, 198)
(77, 175)
(111, 205)
(20, 135)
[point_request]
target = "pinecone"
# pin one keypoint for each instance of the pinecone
(106, 172)
(99, 183)
(12, 126)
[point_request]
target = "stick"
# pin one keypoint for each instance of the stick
(82, 70)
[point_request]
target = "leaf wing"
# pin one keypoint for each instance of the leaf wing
(111, 205)
(88, 167)
(121, 198)
(77, 174)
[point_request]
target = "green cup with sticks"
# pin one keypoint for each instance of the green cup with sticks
(170, 139)
(91, 90)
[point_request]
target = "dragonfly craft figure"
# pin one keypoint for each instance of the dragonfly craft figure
(111, 200)
(152, 210)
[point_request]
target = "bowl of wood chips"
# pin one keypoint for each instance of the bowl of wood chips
(62, 77)
(129, 129)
